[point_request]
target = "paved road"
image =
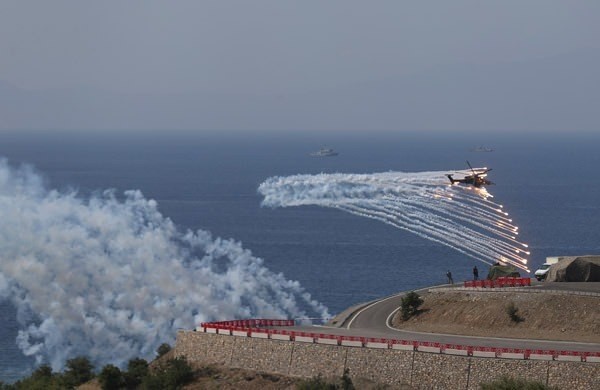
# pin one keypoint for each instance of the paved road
(372, 320)
(571, 286)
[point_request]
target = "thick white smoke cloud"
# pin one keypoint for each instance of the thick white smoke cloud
(113, 279)
(423, 203)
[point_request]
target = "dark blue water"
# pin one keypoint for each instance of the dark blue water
(549, 183)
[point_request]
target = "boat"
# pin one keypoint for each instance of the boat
(324, 152)
(482, 149)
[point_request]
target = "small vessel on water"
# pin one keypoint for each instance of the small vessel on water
(482, 149)
(324, 152)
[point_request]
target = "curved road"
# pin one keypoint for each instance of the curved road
(373, 319)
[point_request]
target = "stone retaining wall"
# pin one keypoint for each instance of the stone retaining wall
(387, 366)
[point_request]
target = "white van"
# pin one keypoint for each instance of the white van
(542, 272)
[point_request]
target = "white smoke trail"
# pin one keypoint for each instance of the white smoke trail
(113, 279)
(424, 203)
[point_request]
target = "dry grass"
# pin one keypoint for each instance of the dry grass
(545, 316)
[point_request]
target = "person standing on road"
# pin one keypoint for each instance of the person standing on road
(475, 273)
(449, 275)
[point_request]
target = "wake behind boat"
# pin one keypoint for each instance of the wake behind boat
(324, 152)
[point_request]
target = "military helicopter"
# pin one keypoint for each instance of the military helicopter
(477, 179)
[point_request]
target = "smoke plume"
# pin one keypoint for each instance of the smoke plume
(112, 278)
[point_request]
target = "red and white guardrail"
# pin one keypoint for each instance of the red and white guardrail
(266, 329)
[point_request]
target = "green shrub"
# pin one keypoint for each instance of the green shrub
(79, 370)
(163, 349)
(137, 370)
(210, 371)
(512, 311)
(41, 379)
(507, 383)
(347, 381)
(43, 371)
(173, 375)
(111, 378)
(410, 305)
(316, 383)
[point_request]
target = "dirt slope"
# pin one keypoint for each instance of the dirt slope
(545, 316)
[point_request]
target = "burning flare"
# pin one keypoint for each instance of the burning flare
(460, 217)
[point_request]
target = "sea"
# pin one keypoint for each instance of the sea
(548, 181)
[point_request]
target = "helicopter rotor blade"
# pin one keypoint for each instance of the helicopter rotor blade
(469, 164)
